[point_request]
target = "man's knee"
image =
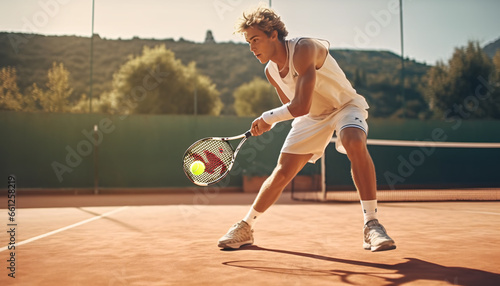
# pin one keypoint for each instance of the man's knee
(290, 164)
(282, 174)
(353, 139)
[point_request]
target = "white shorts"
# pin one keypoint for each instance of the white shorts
(311, 136)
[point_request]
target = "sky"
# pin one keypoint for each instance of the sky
(432, 28)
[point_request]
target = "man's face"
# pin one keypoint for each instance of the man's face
(260, 43)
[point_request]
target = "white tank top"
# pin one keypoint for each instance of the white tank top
(332, 91)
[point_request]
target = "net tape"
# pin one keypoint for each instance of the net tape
(444, 144)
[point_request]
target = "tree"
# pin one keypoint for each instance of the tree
(158, 83)
(461, 88)
(255, 97)
(496, 72)
(10, 97)
(56, 97)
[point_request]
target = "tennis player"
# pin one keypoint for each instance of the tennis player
(318, 97)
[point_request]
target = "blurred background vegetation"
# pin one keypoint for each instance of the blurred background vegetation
(148, 76)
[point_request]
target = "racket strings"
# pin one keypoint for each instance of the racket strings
(215, 154)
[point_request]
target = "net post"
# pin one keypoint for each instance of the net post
(323, 178)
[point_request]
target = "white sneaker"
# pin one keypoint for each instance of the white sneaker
(376, 238)
(239, 234)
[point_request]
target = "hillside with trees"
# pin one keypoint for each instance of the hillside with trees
(228, 65)
(223, 70)
(491, 48)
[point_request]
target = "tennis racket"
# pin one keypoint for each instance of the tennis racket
(218, 156)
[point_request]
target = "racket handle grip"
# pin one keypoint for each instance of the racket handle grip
(248, 134)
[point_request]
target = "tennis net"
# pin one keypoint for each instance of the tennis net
(414, 171)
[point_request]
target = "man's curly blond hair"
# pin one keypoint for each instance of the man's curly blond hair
(263, 18)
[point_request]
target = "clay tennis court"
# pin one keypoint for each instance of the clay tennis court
(171, 239)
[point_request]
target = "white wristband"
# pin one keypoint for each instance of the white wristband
(277, 115)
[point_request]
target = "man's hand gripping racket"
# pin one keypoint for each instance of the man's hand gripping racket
(216, 154)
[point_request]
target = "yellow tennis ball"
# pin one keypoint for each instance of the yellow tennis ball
(197, 168)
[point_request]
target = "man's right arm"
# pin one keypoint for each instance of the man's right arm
(259, 125)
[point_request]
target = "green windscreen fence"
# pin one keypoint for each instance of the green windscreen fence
(51, 150)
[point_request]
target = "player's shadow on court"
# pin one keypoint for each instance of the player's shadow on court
(411, 270)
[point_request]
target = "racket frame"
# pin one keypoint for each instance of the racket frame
(243, 136)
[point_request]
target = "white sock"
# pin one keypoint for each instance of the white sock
(369, 210)
(252, 216)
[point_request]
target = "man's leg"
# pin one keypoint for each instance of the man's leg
(362, 167)
(288, 166)
(363, 174)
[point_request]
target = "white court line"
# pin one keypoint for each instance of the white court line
(65, 228)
